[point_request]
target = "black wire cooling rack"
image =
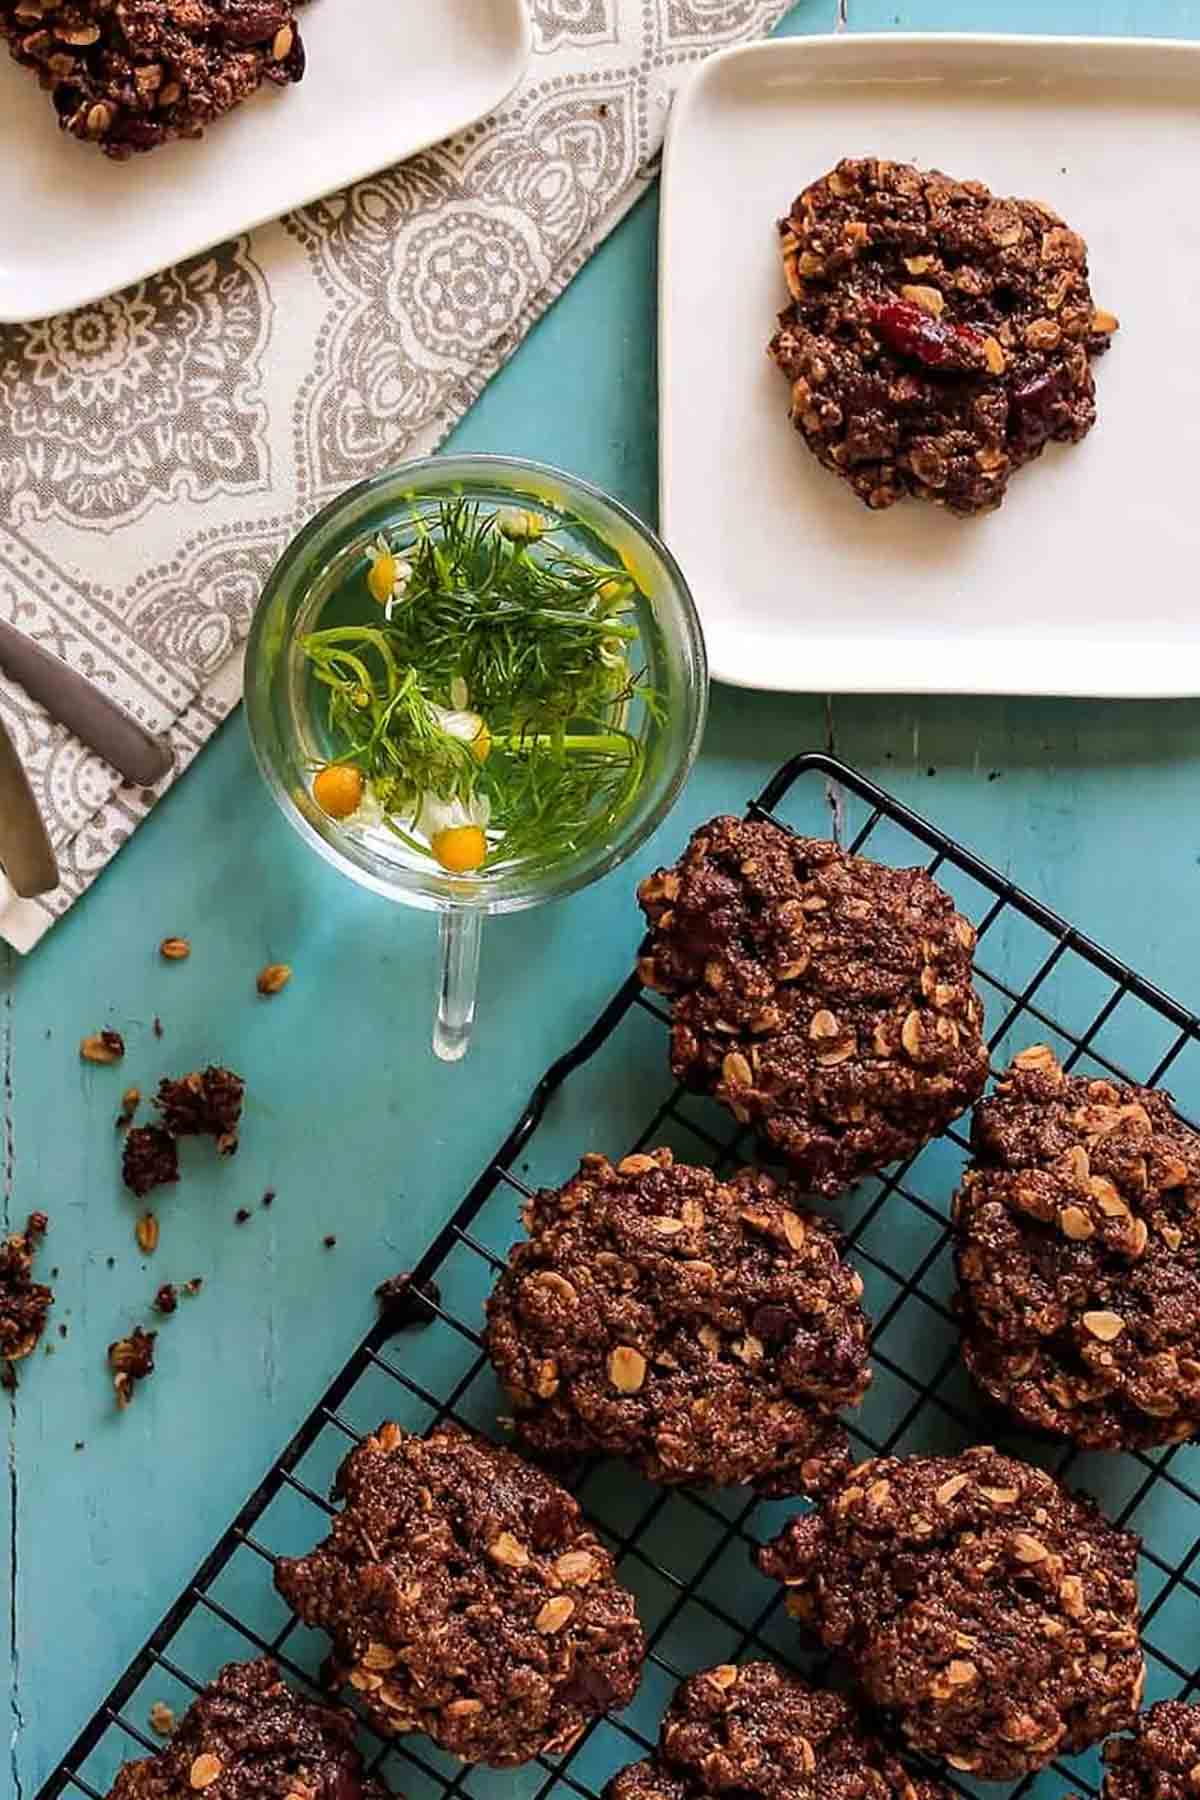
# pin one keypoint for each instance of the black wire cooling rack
(686, 1555)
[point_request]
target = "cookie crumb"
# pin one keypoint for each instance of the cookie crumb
(131, 1360)
(162, 1719)
(330, 1241)
(404, 1301)
(241, 1215)
(167, 1298)
(24, 1303)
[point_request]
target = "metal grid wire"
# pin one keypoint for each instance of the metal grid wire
(687, 1554)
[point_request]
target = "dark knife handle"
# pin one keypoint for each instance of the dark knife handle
(84, 709)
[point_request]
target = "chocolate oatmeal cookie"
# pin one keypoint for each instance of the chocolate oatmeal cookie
(1159, 1761)
(708, 1330)
(938, 337)
(467, 1598)
(826, 998)
(24, 1303)
(129, 75)
(989, 1613)
(1078, 1253)
(761, 1734)
(250, 1737)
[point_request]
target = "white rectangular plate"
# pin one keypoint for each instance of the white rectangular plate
(1085, 581)
(384, 79)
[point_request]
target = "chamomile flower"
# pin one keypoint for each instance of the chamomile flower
(460, 722)
(456, 830)
(520, 526)
(388, 576)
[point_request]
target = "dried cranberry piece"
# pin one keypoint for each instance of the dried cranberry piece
(938, 345)
(1031, 409)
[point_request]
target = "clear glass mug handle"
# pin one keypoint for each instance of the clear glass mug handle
(459, 933)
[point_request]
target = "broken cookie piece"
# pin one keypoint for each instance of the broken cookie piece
(206, 1103)
(149, 1159)
(24, 1303)
(134, 74)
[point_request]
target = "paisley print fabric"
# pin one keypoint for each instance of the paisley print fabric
(158, 448)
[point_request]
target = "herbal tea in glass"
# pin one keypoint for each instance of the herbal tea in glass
(483, 688)
(474, 685)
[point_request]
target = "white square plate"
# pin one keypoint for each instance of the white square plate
(1085, 581)
(384, 79)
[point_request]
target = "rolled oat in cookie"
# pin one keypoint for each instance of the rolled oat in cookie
(759, 1733)
(822, 997)
(991, 1615)
(937, 336)
(24, 1302)
(1078, 1252)
(467, 1597)
(708, 1330)
(129, 75)
(248, 1736)
(1159, 1759)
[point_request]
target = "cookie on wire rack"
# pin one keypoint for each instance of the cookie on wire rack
(709, 1330)
(759, 1733)
(248, 1736)
(1159, 1759)
(467, 1597)
(826, 999)
(987, 1612)
(1077, 1234)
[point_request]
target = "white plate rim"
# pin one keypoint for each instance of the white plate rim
(852, 43)
(88, 294)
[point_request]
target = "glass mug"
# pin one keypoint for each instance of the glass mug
(286, 706)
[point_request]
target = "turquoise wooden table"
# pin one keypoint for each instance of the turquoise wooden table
(360, 1133)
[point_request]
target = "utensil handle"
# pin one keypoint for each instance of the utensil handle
(83, 708)
(458, 978)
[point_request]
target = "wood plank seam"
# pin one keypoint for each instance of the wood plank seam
(16, 1717)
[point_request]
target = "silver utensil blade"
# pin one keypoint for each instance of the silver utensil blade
(25, 853)
(84, 709)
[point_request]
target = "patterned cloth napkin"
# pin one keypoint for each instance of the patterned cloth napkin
(159, 448)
